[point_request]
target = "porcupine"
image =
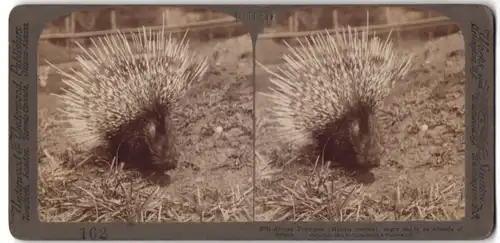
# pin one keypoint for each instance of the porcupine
(122, 99)
(326, 96)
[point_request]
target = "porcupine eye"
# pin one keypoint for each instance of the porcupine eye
(169, 151)
(152, 137)
(355, 136)
(160, 149)
(375, 148)
(363, 144)
(367, 146)
(151, 130)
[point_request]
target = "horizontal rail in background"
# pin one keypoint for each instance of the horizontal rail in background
(383, 28)
(379, 29)
(177, 28)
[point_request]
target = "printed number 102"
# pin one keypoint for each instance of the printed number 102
(93, 233)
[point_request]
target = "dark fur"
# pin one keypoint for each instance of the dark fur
(351, 141)
(146, 143)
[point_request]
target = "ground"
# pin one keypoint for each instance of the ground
(213, 181)
(422, 172)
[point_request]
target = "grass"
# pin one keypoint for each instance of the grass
(109, 193)
(321, 197)
(319, 193)
(117, 195)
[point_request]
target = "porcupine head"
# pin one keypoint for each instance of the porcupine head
(147, 142)
(363, 134)
(351, 140)
(123, 98)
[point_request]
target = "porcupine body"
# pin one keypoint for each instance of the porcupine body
(122, 98)
(326, 96)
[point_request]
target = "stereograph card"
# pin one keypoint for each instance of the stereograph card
(251, 122)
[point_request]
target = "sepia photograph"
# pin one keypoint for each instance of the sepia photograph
(360, 116)
(145, 114)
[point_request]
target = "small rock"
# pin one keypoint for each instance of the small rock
(218, 129)
(424, 128)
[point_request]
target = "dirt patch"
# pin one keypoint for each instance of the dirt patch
(422, 173)
(212, 183)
